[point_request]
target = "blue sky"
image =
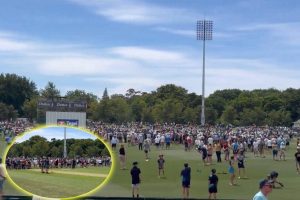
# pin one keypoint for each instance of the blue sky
(57, 133)
(143, 44)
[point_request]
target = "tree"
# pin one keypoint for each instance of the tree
(15, 90)
(252, 116)
(138, 107)
(30, 108)
(81, 95)
(119, 110)
(93, 151)
(50, 91)
(171, 91)
(40, 148)
(105, 94)
(7, 112)
(229, 116)
(131, 93)
(55, 152)
(190, 115)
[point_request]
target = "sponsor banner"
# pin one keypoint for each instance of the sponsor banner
(57, 105)
(67, 122)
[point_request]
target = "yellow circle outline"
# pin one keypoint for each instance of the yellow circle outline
(106, 180)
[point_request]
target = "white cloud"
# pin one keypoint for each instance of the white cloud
(8, 45)
(183, 32)
(143, 68)
(84, 65)
(148, 55)
(283, 32)
(136, 12)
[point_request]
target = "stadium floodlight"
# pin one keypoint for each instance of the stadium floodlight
(204, 32)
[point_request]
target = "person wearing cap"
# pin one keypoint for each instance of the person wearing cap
(297, 158)
(265, 187)
(185, 180)
(135, 179)
(2, 177)
(212, 184)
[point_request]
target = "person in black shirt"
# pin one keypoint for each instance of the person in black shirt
(212, 184)
(297, 158)
(186, 180)
(135, 179)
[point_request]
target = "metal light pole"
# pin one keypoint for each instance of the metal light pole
(65, 142)
(204, 32)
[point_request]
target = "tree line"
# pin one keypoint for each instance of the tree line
(168, 103)
(38, 146)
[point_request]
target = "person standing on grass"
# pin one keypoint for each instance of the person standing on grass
(241, 165)
(209, 154)
(231, 171)
(147, 144)
(212, 184)
(135, 179)
(297, 158)
(161, 163)
(2, 178)
(265, 187)
(185, 180)
(218, 149)
(122, 157)
(114, 142)
(275, 152)
(226, 151)
(282, 147)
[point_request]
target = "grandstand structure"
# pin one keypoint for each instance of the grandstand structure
(60, 111)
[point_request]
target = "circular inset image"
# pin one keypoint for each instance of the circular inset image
(58, 162)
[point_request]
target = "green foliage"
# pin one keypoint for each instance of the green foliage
(7, 112)
(30, 108)
(105, 94)
(38, 146)
(15, 90)
(50, 91)
(168, 103)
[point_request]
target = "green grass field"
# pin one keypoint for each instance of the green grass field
(59, 182)
(152, 186)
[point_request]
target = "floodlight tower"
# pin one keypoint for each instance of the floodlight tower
(65, 142)
(204, 32)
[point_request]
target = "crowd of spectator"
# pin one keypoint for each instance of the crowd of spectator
(56, 162)
(162, 135)
(11, 128)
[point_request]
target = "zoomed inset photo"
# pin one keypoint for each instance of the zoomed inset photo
(58, 162)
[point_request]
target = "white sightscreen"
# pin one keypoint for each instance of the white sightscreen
(53, 117)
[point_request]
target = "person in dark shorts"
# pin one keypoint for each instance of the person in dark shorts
(185, 180)
(47, 165)
(212, 184)
(275, 153)
(161, 163)
(203, 150)
(297, 158)
(135, 179)
(241, 165)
